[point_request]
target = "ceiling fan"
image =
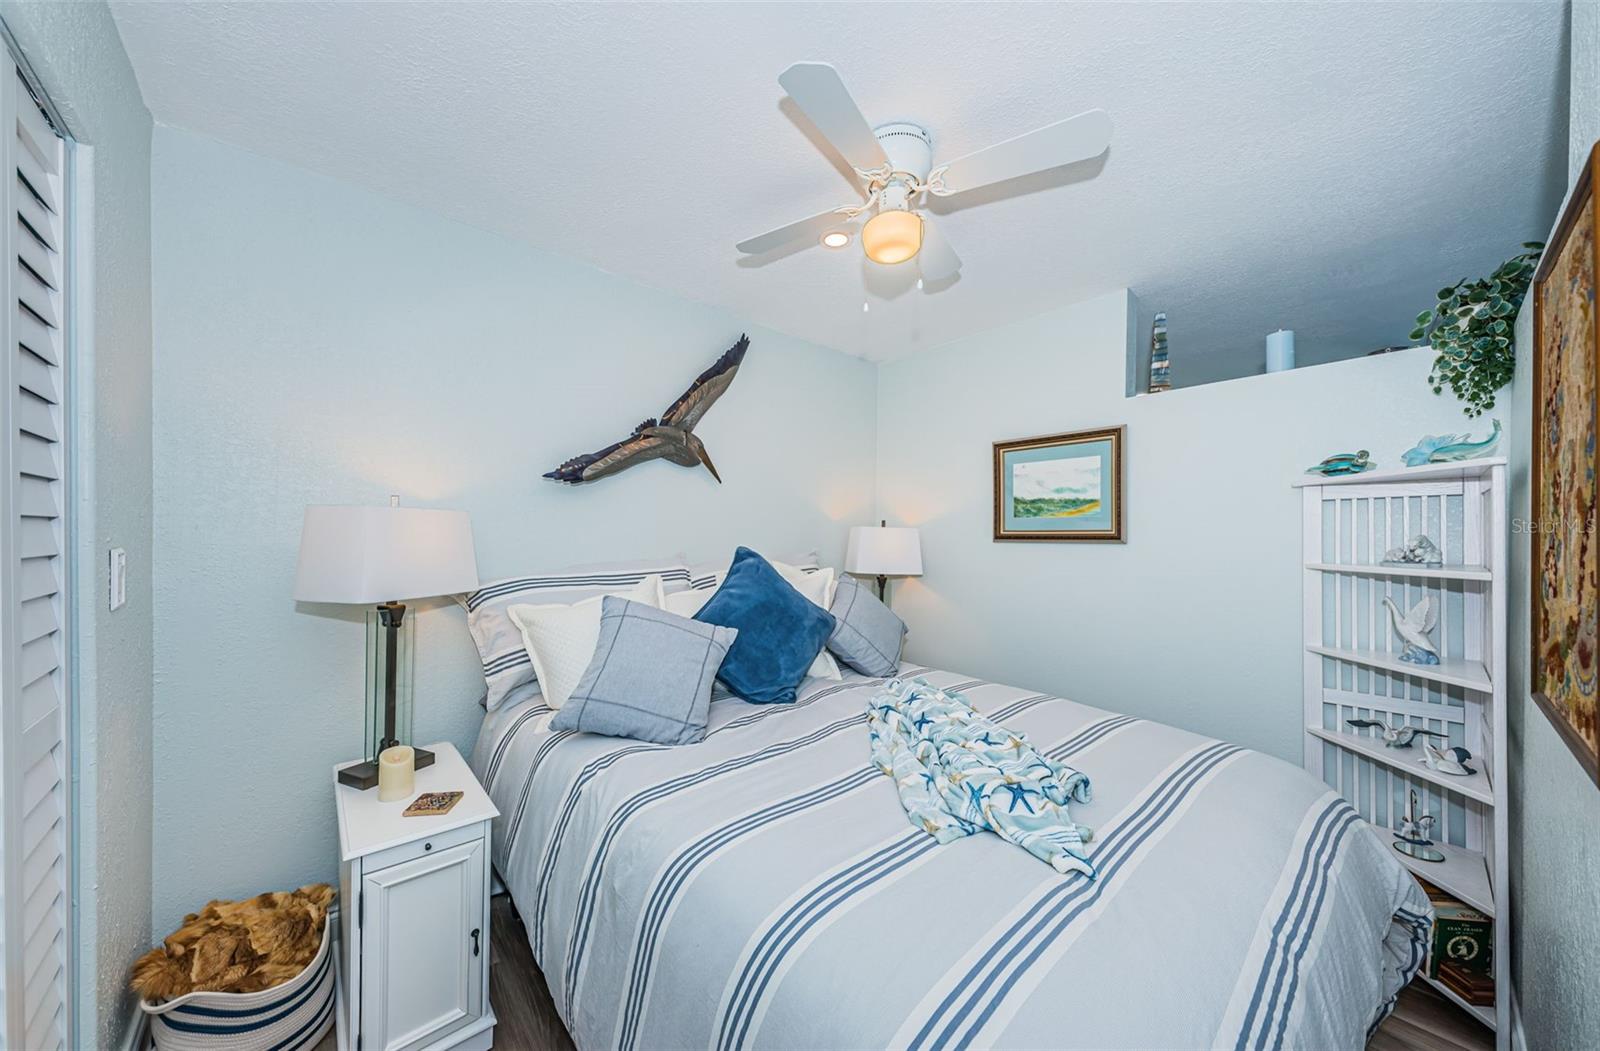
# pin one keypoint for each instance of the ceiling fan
(895, 165)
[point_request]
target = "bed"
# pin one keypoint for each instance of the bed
(763, 888)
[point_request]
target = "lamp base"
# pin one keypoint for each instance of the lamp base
(365, 775)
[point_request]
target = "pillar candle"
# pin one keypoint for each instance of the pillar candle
(1280, 350)
(397, 773)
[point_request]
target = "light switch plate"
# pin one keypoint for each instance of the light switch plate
(119, 578)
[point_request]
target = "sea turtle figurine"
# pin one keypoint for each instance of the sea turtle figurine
(1343, 463)
(1447, 448)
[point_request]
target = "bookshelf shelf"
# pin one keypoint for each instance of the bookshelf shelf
(1475, 786)
(1351, 668)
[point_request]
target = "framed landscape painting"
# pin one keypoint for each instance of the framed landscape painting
(1059, 487)
(1564, 564)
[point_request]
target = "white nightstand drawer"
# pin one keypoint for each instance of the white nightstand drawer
(421, 847)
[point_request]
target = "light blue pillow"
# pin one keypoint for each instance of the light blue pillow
(650, 678)
(868, 635)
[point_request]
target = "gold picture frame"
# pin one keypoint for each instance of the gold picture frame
(1060, 487)
(1564, 560)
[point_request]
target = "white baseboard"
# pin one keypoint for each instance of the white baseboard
(138, 1038)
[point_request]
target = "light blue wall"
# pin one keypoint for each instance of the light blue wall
(1555, 852)
(1196, 619)
(317, 343)
(76, 52)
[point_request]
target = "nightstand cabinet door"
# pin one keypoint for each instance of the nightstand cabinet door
(425, 944)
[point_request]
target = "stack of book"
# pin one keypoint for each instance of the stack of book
(1461, 957)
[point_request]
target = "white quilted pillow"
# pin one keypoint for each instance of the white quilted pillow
(561, 638)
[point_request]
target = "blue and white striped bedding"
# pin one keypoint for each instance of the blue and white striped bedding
(763, 889)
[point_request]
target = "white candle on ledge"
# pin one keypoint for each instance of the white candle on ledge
(397, 773)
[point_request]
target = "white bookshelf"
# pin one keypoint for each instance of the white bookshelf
(1352, 669)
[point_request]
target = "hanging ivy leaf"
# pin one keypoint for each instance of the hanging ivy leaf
(1469, 330)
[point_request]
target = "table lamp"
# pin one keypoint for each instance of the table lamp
(377, 557)
(884, 551)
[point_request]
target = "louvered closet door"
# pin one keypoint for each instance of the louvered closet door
(33, 755)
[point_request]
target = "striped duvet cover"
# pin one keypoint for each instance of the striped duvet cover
(764, 889)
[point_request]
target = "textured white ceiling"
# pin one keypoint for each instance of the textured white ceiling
(1318, 166)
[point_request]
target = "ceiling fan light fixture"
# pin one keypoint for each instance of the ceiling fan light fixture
(835, 239)
(892, 236)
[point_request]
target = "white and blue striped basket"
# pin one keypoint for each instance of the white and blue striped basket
(287, 1017)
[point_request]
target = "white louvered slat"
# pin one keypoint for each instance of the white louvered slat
(38, 337)
(36, 498)
(42, 184)
(37, 296)
(38, 577)
(44, 223)
(36, 538)
(34, 793)
(37, 618)
(37, 457)
(38, 377)
(34, 416)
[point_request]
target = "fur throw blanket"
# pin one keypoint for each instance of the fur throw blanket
(237, 946)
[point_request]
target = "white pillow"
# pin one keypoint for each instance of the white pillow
(561, 638)
(818, 586)
(688, 603)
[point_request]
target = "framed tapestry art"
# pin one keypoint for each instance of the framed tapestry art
(1564, 563)
(1059, 487)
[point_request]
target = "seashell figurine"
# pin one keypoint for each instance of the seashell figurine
(1447, 448)
(1419, 552)
(1343, 463)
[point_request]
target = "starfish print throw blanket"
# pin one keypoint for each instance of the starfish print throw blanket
(959, 773)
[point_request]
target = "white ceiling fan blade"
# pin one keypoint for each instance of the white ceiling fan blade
(822, 96)
(936, 258)
(810, 229)
(1074, 139)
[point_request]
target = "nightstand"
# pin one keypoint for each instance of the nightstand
(414, 917)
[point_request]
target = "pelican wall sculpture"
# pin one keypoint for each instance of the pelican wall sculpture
(671, 438)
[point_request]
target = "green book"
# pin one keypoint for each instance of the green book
(1462, 935)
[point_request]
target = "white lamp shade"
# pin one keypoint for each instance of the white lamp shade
(366, 555)
(888, 551)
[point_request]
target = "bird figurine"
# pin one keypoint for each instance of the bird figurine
(672, 437)
(1395, 736)
(1413, 628)
(1343, 463)
(1451, 761)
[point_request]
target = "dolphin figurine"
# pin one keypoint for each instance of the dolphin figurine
(1447, 448)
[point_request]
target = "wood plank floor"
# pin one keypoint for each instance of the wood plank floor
(1422, 1021)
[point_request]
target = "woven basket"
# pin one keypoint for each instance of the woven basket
(288, 1017)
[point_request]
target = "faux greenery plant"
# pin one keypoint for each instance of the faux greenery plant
(1471, 329)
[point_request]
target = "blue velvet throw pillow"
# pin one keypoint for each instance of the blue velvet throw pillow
(780, 630)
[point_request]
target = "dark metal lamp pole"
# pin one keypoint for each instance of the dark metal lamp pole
(365, 775)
